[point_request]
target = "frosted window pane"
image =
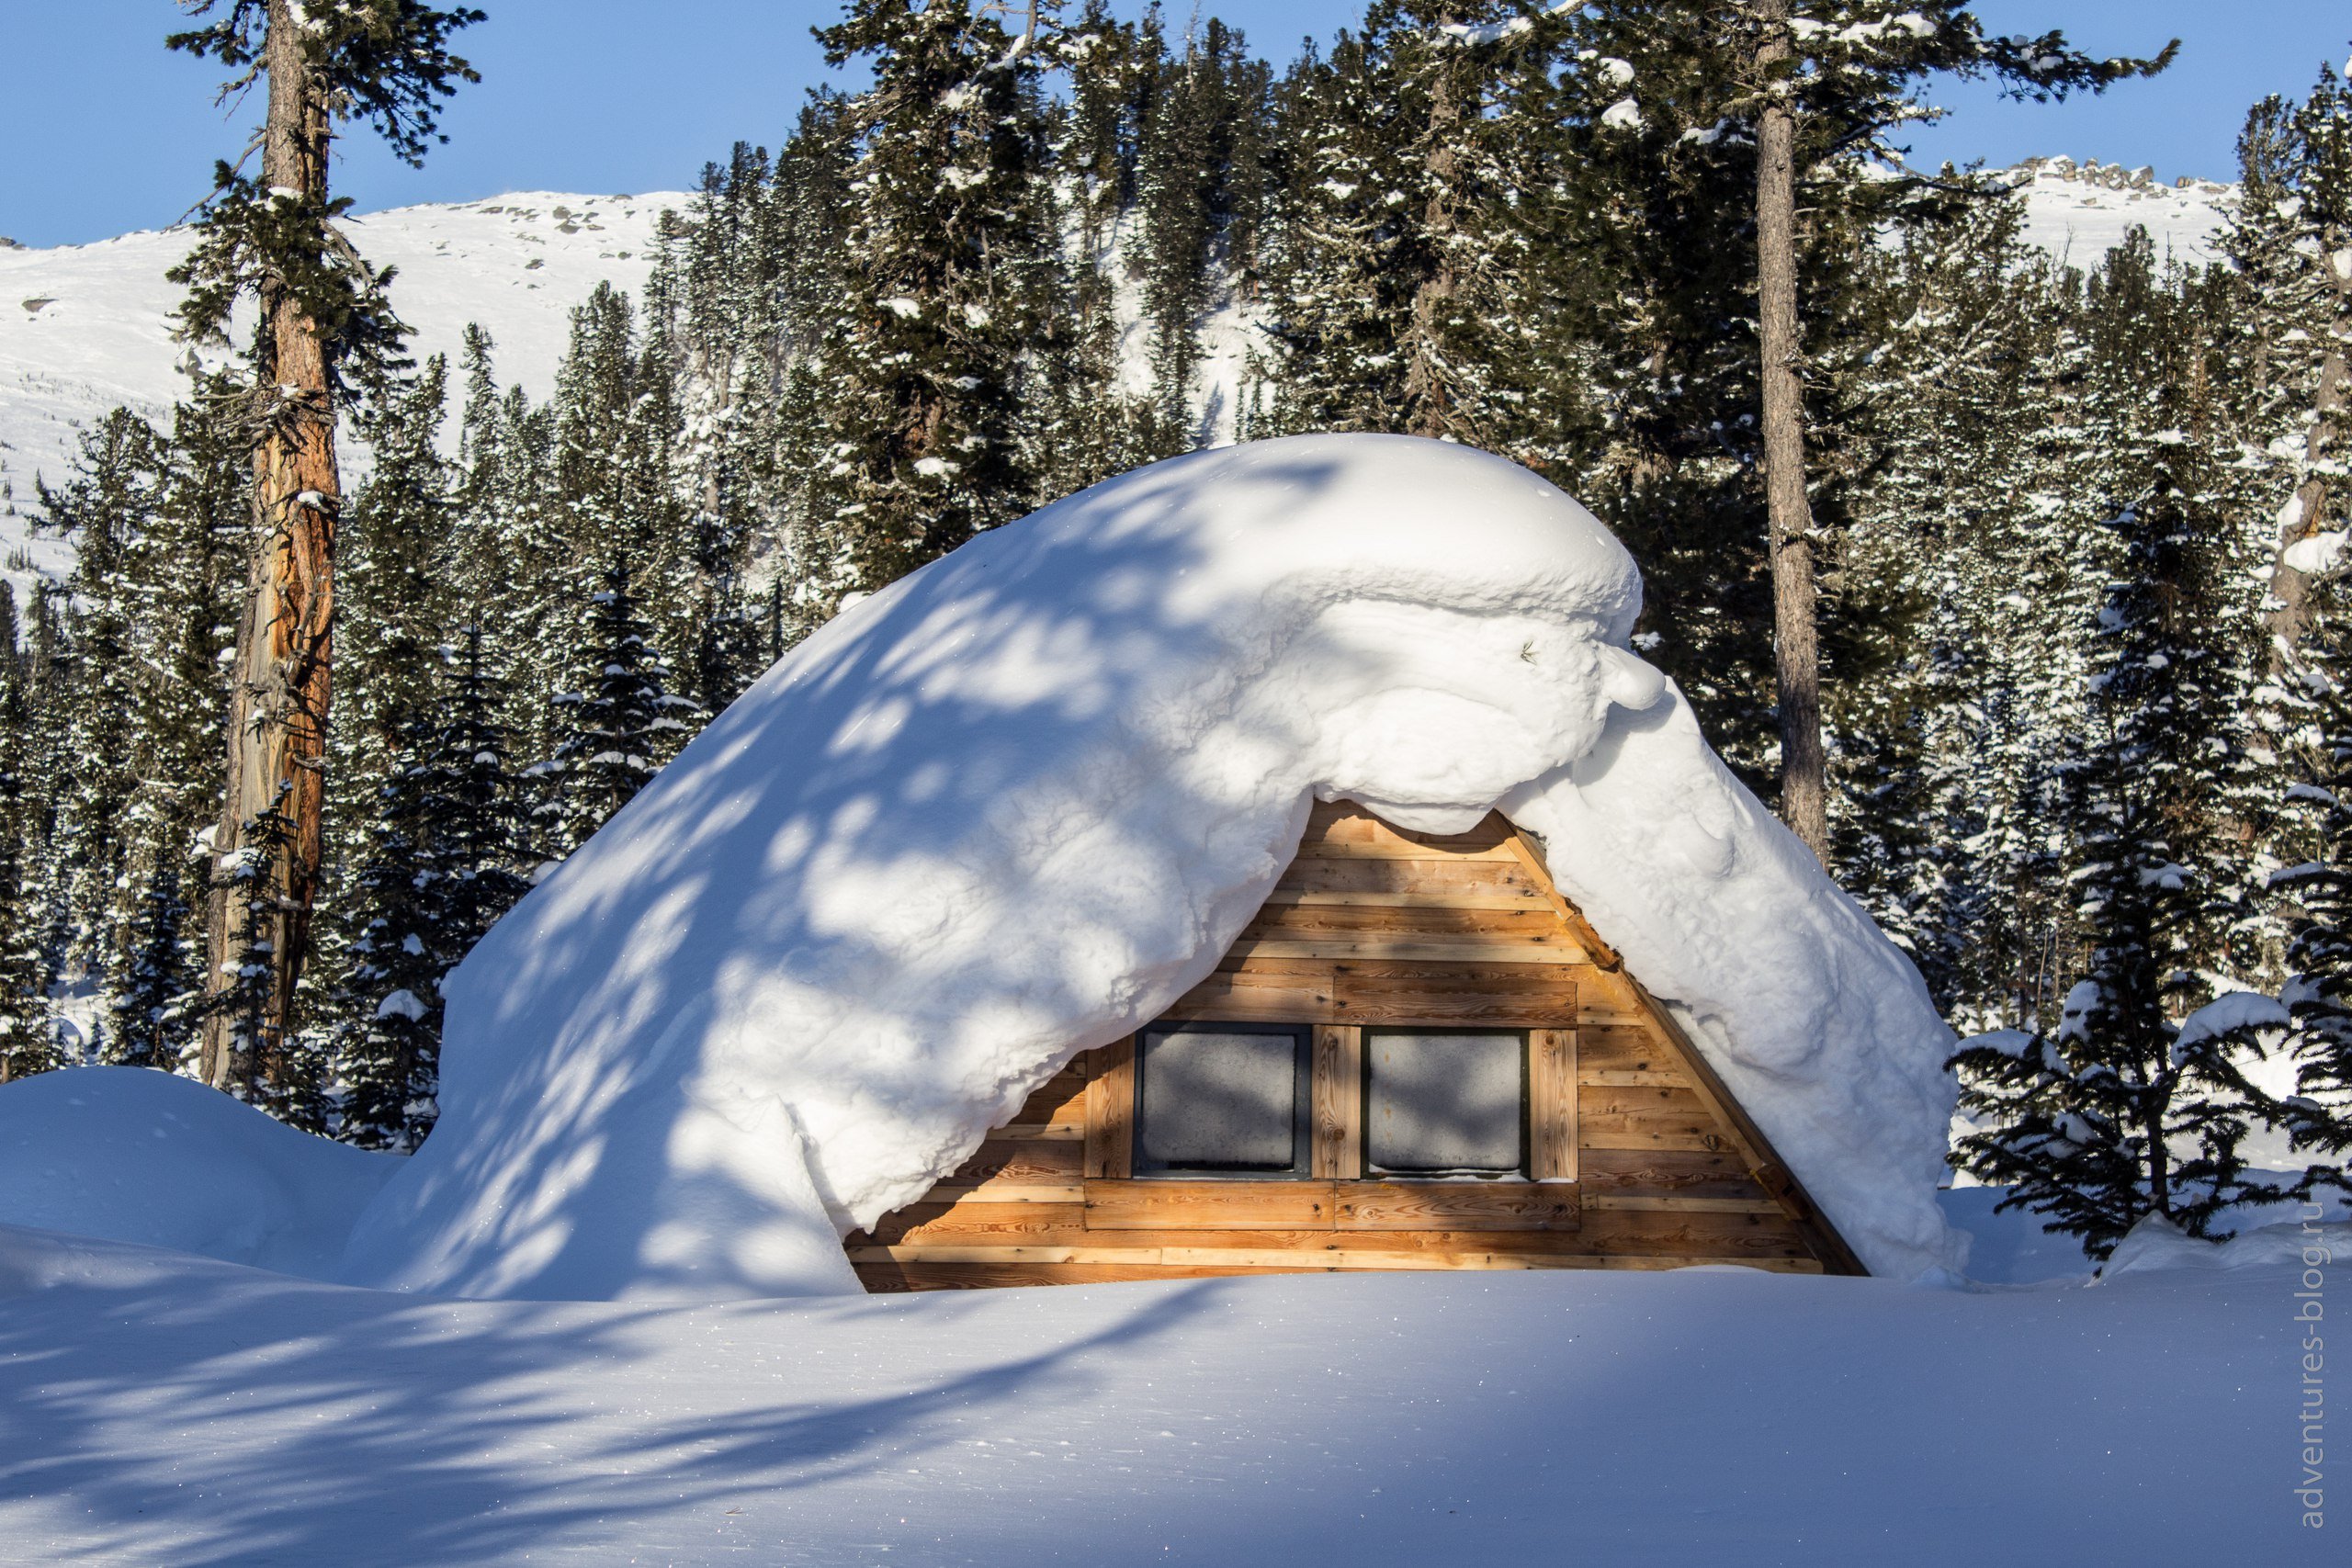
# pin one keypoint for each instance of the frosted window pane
(1442, 1102)
(1218, 1101)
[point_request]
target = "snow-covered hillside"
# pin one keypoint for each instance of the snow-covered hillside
(2079, 213)
(83, 328)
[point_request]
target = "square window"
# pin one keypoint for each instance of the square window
(1222, 1099)
(1447, 1103)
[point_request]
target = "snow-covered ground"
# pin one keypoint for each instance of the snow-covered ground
(156, 1407)
(86, 328)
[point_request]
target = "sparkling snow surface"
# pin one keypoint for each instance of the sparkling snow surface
(164, 1409)
(1013, 806)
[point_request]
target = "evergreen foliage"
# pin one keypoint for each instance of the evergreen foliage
(446, 860)
(2079, 531)
(2120, 1112)
(618, 726)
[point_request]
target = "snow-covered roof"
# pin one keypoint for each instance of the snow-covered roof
(1011, 807)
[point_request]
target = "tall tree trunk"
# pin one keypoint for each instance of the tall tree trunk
(1796, 647)
(276, 747)
(2289, 587)
(1428, 395)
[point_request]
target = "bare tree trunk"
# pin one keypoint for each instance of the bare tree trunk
(1428, 395)
(2290, 587)
(276, 747)
(1796, 648)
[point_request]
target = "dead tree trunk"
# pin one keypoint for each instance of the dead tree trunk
(270, 827)
(1429, 403)
(1796, 648)
(2290, 587)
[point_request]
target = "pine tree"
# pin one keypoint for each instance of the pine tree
(1819, 88)
(113, 500)
(920, 377)
(28, 1039)
(2120, 1112)
(618, 726)
(444, 861)
(322, 313)
(155, 1005)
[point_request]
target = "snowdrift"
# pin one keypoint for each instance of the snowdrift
(1011, 807)
(129, 1154)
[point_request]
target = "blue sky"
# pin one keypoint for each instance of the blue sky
(106, 132)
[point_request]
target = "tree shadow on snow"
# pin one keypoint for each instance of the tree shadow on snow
(702, 888)
(238, 1417)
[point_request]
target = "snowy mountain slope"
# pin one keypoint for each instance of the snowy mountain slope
(2079, 213)
(83, 328)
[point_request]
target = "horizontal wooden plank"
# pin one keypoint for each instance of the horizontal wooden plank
(1063, 1224)
(1072, 1131)
(1638, 1078)
(1389, 849)
(1444, 879)
(1353, 825)
(1521, 900)
(1015, 1188)
(1208, 1205)
(1675, 1202)
(1327, 1205)
(1622, 1047)
(1023, 1160)
(1623, 1133)
(1065, 1091)
(1646, 1099)
(1276, 990)
(1664, 1172)
(1246, 1258)
(1547, 949)
(892, 1279)
(1308, 922)
(1456, 1206)
(976, 1221)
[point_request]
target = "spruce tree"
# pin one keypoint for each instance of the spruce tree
(618, 726)
(155, 1004)
(28, 1038)
(111, 503)
(2318, 891)
(444, 861)
(920, 390)
(2120, 1114)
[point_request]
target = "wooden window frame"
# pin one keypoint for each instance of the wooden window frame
(1337, 1090)
(1521, 1172)
(1303, 1129)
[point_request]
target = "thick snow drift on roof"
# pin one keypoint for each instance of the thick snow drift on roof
(129, 1154)
(1013, 806)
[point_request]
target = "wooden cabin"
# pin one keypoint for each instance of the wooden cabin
(1417, 1056)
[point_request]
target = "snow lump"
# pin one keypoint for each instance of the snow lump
(1011, 807)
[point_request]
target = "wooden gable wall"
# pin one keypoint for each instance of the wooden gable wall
(1641, 1159)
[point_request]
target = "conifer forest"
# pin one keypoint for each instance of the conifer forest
(2023, 575)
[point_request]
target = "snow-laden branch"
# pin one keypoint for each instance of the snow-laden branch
(1484, 33)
